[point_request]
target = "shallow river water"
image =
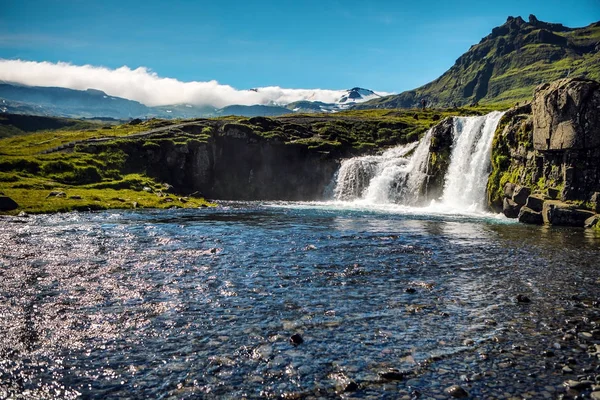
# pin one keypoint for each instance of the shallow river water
(202, 304)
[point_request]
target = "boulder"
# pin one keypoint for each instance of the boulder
(529, 216)
(558, 213)
(536, 203)
(520, 195)
(565, 115)
(7, 204)
(510, 209)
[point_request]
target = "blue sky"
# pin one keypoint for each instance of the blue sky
(382, 45)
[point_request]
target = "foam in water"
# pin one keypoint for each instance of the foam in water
(395, 178)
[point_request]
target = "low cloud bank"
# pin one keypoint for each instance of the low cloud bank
(145, 86)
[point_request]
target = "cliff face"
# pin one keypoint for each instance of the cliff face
(549, 151)
(235, 164)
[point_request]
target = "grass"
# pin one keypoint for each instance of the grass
(32, 196)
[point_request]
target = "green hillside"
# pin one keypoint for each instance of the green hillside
(508, 64)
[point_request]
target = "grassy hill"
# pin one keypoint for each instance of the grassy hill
(508, 64)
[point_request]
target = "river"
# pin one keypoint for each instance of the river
(202, 303)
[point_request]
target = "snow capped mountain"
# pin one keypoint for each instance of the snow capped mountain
(357, 95)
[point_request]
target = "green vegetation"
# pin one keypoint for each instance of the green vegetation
(507, 65)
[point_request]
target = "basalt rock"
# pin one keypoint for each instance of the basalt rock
(558, 213)
(529, 216)
(553, 148)
(510, 209)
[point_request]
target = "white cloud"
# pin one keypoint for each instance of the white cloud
(145, 86)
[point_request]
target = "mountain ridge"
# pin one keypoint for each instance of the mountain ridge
(507, 64)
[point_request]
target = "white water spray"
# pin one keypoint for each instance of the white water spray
(396, 178)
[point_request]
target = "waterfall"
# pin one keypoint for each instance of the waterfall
(399, 175)
(466, 179)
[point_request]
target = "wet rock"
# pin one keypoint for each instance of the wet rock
(456, 392)
(468, 342)
(182, 199)
(563, 214)
(521, 194)
(167, 200)
(410, 290)
(536, 203)
(567, 370)
(351, 387)
(521, 298)
(135, 204)
(393, 375)
(578, 385)
(296, 339)
(7, 204)
(548, 353)
(510, 209)
(147, 189)
(56, 193)
(529, 216)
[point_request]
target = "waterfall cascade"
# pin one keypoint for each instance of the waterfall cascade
(399, 174)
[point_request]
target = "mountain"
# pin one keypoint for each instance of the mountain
(508, 64)
(91, 103)
(57, 101)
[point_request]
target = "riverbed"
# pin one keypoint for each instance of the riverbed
(389, 303)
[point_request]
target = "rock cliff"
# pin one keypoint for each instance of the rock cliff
(546, 156)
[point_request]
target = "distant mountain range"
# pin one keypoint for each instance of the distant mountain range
(508, 64)
(92, 103)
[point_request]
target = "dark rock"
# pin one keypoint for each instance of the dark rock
(578, 385)
(351, 387)
(182, 199)
(528, 216)
(296, 339)
(135, 121)
(167, 200)
(393, 375)
(536, 203)
(558, 213)
(510, 209)
(76, 197)
(410, 290)
(7, 204)
(456, 392)
(520, 195)
(521, 298)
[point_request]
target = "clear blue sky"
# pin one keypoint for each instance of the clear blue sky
(382, 45)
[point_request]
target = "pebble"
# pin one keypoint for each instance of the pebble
(521, 298)
(351, 387)
(577, 385)
(296, 339)
(456, 392)
(393, 375)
